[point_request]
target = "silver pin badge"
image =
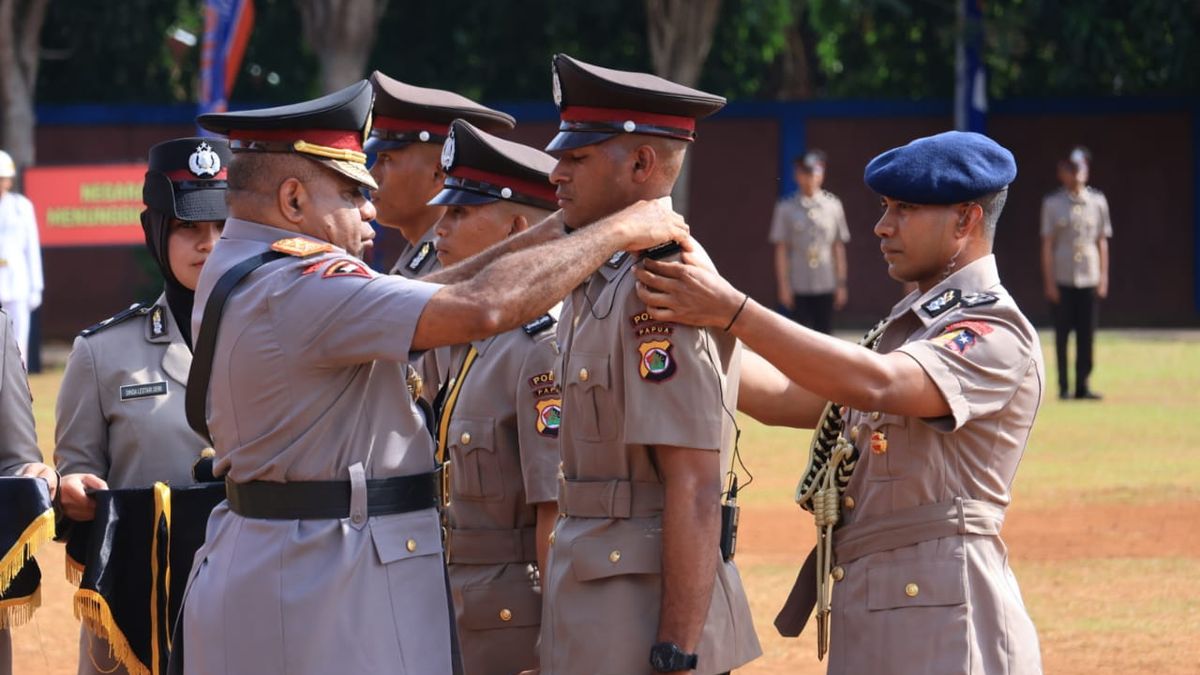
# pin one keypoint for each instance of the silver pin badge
(629, 126)
(204, 162)
(555, 86)
(424, 136)
(448, 152)
(506, 192)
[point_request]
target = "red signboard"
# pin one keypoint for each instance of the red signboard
(87, 205)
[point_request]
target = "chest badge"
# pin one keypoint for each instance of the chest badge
(879, 443)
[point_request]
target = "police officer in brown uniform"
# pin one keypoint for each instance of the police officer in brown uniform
(810, 235)
(636, 582)
(19, 453)
(120, 419)
(1076, 228)
(499, 423)
(932, 424)
(326, 557)
(410, 124)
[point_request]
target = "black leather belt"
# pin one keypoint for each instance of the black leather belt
(330, 499)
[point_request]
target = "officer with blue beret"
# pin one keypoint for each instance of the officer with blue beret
(919, 430)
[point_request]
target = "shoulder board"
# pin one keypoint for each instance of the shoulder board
(136, 309)
(662, 250)
(954, 298)
(542, 323)
(418, 260)
(617, 259)
(301, 247)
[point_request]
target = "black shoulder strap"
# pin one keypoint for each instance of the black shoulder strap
(196, 401)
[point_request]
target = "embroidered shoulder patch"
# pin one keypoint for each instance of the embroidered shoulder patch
(301, 247)
(346, 268)
(419, 258)
(657, 364)
(961, 336)
(543, 322)
(549, 416)
(136, 309)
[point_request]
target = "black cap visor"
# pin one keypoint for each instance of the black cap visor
(570, 140)
(457, 196)
(201, 204)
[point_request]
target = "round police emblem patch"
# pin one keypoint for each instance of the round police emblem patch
(657, 361)
(448, 152)
(204, 162)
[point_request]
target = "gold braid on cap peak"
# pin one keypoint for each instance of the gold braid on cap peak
(330, 153)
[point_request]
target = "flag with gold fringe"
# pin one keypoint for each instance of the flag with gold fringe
(27, 522)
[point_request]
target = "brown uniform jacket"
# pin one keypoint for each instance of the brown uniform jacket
(501, 424)
(923, 583)
(628, 384)
(308, 383)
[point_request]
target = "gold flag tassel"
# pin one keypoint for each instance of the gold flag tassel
(160, 577)
(18, 611)
(74, 570)
(92, 609)
(40, 531)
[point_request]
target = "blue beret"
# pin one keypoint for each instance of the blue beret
(951, 167)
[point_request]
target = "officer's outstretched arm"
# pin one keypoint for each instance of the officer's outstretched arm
(691, 531)
(549, 229)
(770, 397)
(524, 284)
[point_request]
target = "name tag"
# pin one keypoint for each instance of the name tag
(132, 391)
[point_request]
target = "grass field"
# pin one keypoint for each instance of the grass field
(1103, 533)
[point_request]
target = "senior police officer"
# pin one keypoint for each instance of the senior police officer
(499, 423)
(120, 419)
(935, 421)
(19, 453)
(647, 432)
(1075, 230)
(329, 537)
(810, 236)
(409, 126)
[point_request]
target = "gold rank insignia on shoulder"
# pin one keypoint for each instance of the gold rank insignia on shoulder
(301, 247)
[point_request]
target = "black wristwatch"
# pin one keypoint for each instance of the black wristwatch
(667, 657)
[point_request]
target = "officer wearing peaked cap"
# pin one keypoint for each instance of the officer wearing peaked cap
(499, 424)
(120, 419)
(923, 430)
(330, 536)
(646, 439)
(410, 125)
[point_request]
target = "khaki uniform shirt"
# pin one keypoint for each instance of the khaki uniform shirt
(1076, 223)
(810, 226)
(120, 416)
(308, 383)
(630, 383)
(18, 441)
(947, 604)
(501, 422)
(120, 409)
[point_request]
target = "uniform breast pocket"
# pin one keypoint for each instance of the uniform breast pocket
(474, 468)
(589, 413)
(885, 438)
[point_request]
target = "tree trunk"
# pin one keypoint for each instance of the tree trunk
(796, 80)
(681, 34)
(341, 33)
(20, 32)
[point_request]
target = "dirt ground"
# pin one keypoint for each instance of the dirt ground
(1112, 588)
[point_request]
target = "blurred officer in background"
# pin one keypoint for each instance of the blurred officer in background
(20, 256)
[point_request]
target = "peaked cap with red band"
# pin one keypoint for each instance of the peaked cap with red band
(328, 130)
(481, 169)
(185, 178)
(405, 114)
(597, 103)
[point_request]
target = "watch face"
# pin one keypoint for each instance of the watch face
(667, 657)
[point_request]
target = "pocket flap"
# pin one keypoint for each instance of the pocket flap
(501, 605)
(587, 371)
(597, 558)
(916, 584)
(468, 434)
(406, 535)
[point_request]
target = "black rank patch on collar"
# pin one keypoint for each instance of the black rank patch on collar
(419, 258)
(953, 298)
(132, 391)
(543, 322)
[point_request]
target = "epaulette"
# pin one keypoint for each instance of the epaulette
(419, 258)
(136, 309)
(542, 323)
(662, 251)
(617, 259)
(953, 298)
(301, 247)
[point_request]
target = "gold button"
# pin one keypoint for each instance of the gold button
(614, 557)
(911, 590)
(506, 615)
(876, 415)
(411, 545)
(208, 452)
(849, 502)
(465, 438)
(838, 573)
(584, 374)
